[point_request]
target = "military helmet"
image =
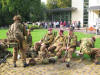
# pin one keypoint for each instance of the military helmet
(17, 17)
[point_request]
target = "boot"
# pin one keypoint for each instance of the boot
(14, 65)
(68, 64)
(25, 64)
(97, 63)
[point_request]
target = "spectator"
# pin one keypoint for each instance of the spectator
(61, 24)
(57, 24)
(79, 24)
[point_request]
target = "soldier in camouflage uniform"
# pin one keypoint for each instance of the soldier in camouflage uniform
(59, 42)
(86, 44)
(45, 42)
(69, 47)
(95, 55)
(3, 47)
(16, 34)
(29, 43)
(87, 47)
(29, 38)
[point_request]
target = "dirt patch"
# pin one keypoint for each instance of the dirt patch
(77, 68)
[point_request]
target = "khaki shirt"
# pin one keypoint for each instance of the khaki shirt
(71, 41)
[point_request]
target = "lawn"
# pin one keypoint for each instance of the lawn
(39, 33)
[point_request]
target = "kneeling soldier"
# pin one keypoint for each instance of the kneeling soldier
(71, 42)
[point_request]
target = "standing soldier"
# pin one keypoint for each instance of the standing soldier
(16, 34)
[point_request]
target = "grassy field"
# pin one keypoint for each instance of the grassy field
(38, 34)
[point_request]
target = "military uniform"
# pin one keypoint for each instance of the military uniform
(59, 42)
(86, 45)
(71, 42)
(72, 46)
(45, 42)
(16, 34)
(29, 40)
(95, 55)
(3, 47)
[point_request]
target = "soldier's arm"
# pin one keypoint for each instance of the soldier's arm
(51, 39)
(56, 38)
(43, 38)
(74, 42)
(65, 41)
(24, 31)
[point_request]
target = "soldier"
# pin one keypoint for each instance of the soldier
(87, 47)
(29, 43)
(86, 44)
(69, 47)
(95, 55)
(45, 42)
(3, 46)
(59, 42)
(29, 38)
(16, 34)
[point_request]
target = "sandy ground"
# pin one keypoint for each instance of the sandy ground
(85, 67)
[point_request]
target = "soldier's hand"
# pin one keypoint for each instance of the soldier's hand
(42, 44)
(68, 48)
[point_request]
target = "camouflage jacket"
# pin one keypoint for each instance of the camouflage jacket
(71, 41)
(59, 40)
(86, 45)
(48, 39)
(29, 40)
(17, 31)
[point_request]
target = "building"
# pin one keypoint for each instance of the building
(85, 11)
(94, 12)
(88, 12)
(60, 14)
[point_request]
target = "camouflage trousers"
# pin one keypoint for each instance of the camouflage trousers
(68, 55)
(95, 54)
(55, 48)
(15, 54)
(37, 46)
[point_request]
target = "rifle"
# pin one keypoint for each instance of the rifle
(55, 34)
(4, 59)
(66, 52)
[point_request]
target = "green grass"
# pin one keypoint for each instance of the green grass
(39, 33)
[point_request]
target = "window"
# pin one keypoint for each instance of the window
(86, 5)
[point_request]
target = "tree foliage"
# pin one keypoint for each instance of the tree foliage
(64, 3)
(51, 4)
(30, 10)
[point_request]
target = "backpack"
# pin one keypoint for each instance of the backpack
(15, 32)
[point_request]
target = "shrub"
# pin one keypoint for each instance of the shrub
(32, 27)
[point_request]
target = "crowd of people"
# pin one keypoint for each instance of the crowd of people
(59, 24)
(49, 49)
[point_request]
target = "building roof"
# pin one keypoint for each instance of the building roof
(94, 8)
(62, 9)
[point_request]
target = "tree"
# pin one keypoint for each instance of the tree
(30, 10)
(63, 3)
(51, 4)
